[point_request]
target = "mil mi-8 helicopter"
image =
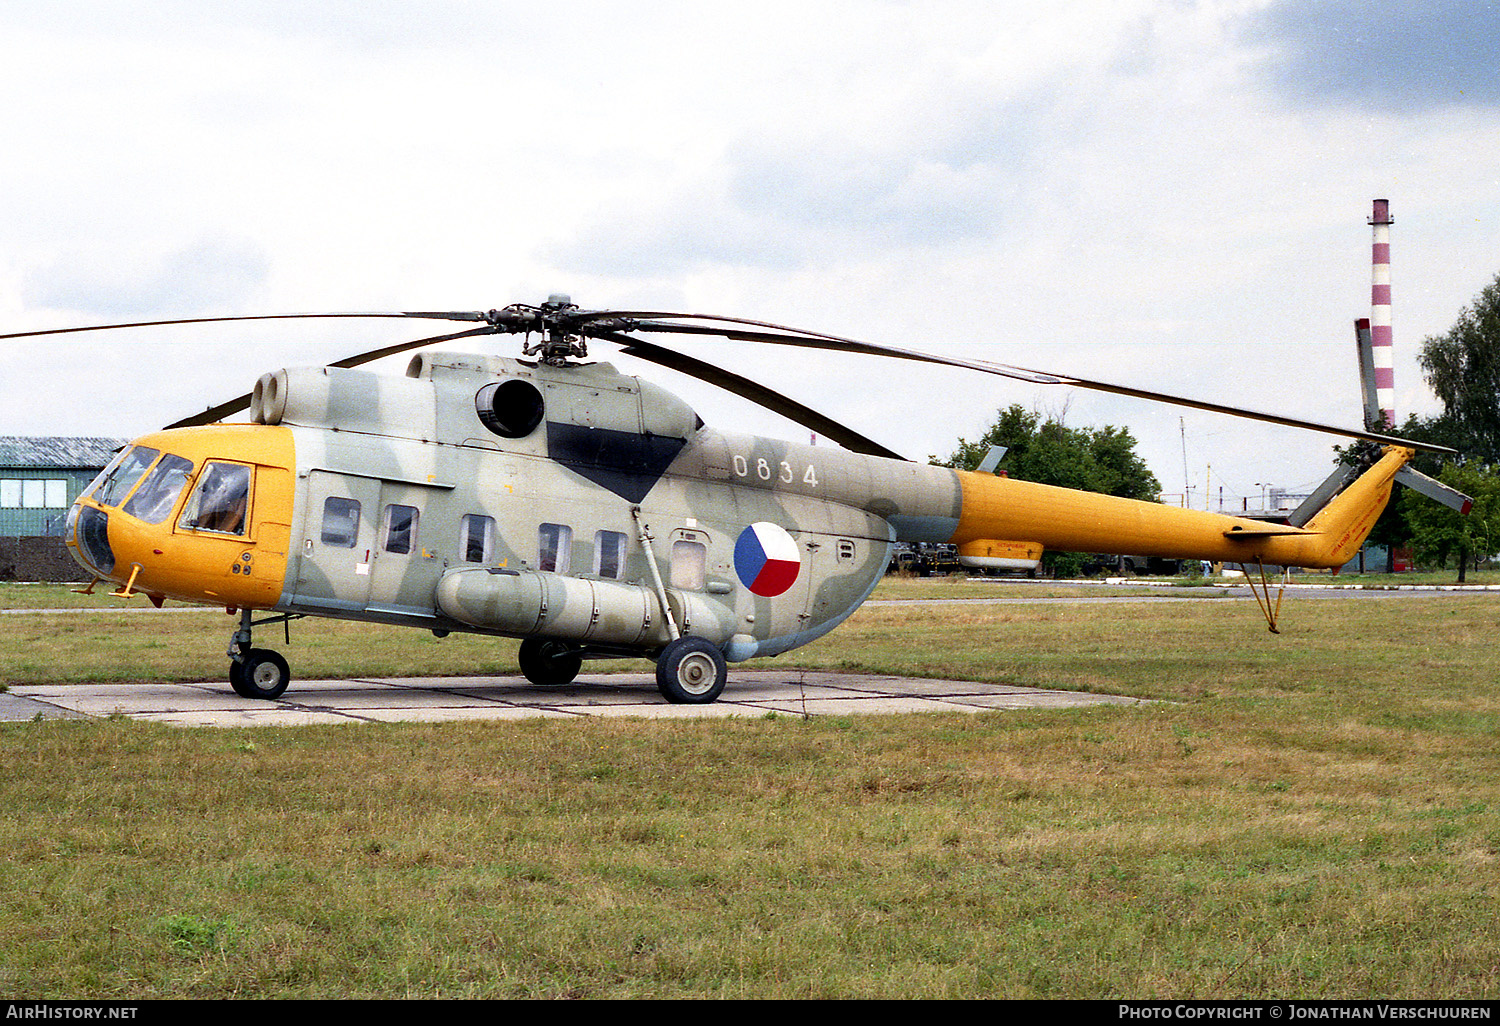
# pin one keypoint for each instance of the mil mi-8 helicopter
(590, 513)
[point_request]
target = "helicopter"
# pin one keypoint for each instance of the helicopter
(591, 513)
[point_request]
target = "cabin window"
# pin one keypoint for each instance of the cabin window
(609, 554)
(477, 538)
(554, 547)
(400, 528)
(117, 479)
(154, 499)
(221, 501)
(340, 522)
(689, 565)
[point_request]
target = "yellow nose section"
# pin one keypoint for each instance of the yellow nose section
(224, 539)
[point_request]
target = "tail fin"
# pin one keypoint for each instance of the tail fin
(1335, 533)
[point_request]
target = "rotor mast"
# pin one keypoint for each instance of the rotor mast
(557, 319)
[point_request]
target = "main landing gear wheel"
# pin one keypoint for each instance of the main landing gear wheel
(262, 674)
(691, 671)
(548, 663)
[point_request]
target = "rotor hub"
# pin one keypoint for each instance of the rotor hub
(558, 321)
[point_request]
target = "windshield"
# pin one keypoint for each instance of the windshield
(154, 499)
(121, 476)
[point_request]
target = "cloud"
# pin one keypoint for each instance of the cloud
(1402, 58)
(1009, 176)
(902, 197)
(774, 215)
(212, 275)
(789, 199)
(376, 25)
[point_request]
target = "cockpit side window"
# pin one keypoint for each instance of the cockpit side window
(154, 499)
(221, 502)
(117, 479)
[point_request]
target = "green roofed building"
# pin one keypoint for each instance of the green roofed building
(40, 478)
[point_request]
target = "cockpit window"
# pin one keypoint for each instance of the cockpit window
(154, 499)
(221, 500)
(117, 479)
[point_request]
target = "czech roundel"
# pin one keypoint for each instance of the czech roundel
(766, 559)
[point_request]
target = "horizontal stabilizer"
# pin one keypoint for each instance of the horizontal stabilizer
(1435, 490)
(991, 459)
(1262, 531)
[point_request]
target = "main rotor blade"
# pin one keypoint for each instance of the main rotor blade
(613, 324)
(755, 392)
(636, 315)
(846, 345)
(239, 403)
(457, 315)
(1038, 377)
(569, 317)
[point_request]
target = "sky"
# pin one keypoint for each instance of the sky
(1161, 193)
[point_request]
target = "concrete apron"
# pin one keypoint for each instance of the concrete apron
(431, 699)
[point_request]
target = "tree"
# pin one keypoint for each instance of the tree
(1463, 369)
(1394, 528)
(1048, 452)
(1438, 532)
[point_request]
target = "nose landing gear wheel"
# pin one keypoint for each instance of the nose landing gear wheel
(691, 671)
(262, 674)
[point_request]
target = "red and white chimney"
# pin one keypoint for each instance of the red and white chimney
(1380, 312)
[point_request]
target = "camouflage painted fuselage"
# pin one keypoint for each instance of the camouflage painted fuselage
(491, 495)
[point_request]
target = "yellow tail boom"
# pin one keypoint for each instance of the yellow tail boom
(1073, 521)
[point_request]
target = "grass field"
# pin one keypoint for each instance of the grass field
(1309, 814)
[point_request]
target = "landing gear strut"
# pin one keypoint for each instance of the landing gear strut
(257, 672)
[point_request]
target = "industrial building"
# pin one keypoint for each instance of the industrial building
(39, 479)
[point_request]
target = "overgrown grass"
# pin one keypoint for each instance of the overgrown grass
(1313, 814)
(190, 645)
(128, 640)
(64, 596)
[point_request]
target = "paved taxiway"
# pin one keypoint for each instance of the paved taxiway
(386, 700)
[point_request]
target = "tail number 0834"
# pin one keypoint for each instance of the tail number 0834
(765, 471)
